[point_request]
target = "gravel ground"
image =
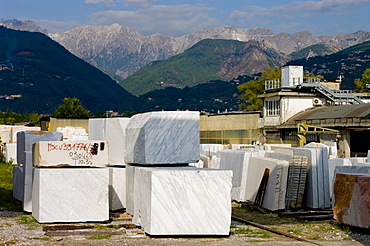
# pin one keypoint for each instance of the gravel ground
(14, 231)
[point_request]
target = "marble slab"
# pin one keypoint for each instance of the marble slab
(18, 182)
(238, 162)
(112, 130)
(211, 149)
(117, 188)
(352, 206)
(28, 181)
(25, 140)
(163, 137)
(69, 153)
(274, 197)
(183, 201)
(70, 194)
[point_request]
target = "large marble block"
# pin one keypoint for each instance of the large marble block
(211, 149)
(70, 194)
(238, 162)
(117, 188)
(183, 201)
(18, 182)
(352, 203)
(28, 181)
(25, 140)
(112, 130)
(274, 196)
(163, 137)
(333, 163)
(70, 153)
(130, 177)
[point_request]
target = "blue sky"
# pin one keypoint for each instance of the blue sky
(177, 18)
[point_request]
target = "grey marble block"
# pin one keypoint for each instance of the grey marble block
(70, 194)
(112, 130)
(28, 181)
(117, 188)
(183, 201)
(163, 137)
(18, 182)
(25, 140)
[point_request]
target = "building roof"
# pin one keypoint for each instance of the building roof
(331, 115)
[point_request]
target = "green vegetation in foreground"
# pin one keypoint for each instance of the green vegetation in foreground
(28, 220)
(7, 202)
(248, 232)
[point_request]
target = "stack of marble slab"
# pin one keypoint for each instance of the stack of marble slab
(70, 182)
(297, 176)
(165, 195)
(243, 183)
(25, 141)
(352, 203)
(113, 130)
(317, 192)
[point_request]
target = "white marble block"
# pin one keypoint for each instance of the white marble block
(112, 130)
(117, 188)
(70, 194)
(18, 182)
(25, 140)
(130, 177)
(238, 162)
(10, 152)
(70, 153)
(182, 201)
(211, 149)
(28, 180)
(163, 137)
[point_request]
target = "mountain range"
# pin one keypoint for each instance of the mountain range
(121, 51)
(36, 73)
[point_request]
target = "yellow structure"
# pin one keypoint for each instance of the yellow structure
(231, 128)
(54, 123)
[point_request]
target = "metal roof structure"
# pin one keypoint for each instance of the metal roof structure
(332, 116)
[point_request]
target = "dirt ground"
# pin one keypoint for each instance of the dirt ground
(22, 229)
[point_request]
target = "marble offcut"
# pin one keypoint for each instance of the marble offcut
(182, 201)
(70, 153)
(70, 194)
(163, 137)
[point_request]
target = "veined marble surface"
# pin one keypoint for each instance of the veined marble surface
(117, 187)
(26, 139)
(70, 194)
(163, 137)
(70, 153)
(112, 130)
(183, 201)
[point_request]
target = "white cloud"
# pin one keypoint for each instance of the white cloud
(299, 9)
(138, 3)
(174, 20)
(103, 3)
(57, 26)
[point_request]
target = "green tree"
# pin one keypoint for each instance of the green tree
(361, 83)
(251, 89)
(71, 108)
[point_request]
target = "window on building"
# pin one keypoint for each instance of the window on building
(272, 107)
